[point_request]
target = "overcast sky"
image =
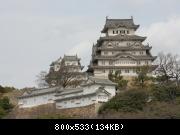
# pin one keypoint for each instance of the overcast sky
(33, 33)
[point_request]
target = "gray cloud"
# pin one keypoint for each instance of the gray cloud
(33, 33)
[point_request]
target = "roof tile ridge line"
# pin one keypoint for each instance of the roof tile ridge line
(120, 19)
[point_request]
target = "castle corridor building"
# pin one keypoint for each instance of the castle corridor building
(120, 49)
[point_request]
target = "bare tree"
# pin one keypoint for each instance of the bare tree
(65, 76)
(176, 70)
(168, 67)
(41, 82)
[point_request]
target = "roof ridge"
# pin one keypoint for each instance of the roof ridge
(120, 19)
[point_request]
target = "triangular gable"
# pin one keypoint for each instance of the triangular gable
(126, 56)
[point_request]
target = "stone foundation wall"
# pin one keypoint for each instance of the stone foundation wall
(49, 109)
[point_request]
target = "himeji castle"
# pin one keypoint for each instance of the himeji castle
(120, 49)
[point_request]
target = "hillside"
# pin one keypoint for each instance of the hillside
(8, 100)
(158, 103)
(152, 102)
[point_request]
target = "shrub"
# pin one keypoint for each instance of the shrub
(6, 89)
(117, 78)
(129, 101)
(2, 89)
(5, 103)
(165, 93)
(2, 112)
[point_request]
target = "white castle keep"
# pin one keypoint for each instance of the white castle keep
(120, 49)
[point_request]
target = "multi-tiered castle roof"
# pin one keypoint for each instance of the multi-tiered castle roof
(120, 49)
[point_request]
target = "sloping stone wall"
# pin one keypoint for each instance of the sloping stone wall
(50, 109)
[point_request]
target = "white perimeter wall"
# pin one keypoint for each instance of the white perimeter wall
(36, 100)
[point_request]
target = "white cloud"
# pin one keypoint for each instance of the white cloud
(164, 36)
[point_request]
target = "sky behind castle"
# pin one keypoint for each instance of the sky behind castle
(33, 33)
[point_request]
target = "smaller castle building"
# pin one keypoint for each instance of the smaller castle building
(70, 61)
(67, 68)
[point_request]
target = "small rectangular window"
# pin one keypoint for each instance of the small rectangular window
(103, 62)
(119, 71)
(134, 70)
(126, 70)
(138, 62)
(127, 31)
(110, 62)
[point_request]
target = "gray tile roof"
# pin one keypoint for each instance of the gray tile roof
(83, 95)
(67, 91)
(58, 61)
(123, 37)
(152, 67)
(115, 23)
(128, 55)
(37, 92)
(97, 80)
(117, 48)
(101, 80)
(71, 57)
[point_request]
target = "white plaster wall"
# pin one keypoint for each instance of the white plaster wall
(121, 62)
(131, 31)
(101, 74)
(111, 89)
(125, 63)
(102, 97)
(71, 62)
(106, 62)
(110, 31)
(83, 101)
(131, 73)
(76, 102)
(123, 43)
(36, 100)
(143, 62)
(109, 53)
(69, 95)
